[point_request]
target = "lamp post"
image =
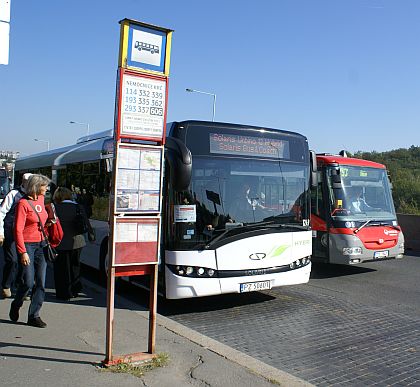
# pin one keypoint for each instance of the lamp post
(48, 143)
(81, 123)
(205, 92)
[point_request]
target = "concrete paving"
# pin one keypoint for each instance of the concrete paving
(70, 350)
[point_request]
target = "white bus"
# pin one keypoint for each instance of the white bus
(236, 205)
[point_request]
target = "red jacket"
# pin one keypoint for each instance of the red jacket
(27, 223)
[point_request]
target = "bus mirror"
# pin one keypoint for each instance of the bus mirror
(336, 178)
(108, 163)
(179, 159)
(314, 170)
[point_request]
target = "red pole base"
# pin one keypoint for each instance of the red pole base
(129, 358)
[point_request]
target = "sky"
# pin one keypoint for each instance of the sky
(344, 73)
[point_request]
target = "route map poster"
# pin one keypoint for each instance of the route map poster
(138, 178)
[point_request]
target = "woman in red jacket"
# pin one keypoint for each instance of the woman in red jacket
(29, 244)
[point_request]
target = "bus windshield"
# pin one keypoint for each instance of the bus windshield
(359, 193)
(232, 192)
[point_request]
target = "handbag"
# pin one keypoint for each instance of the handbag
(49, 252)
(55, 231)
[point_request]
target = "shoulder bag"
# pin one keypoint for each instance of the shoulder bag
(49, 252)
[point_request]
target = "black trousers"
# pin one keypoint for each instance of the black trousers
(67, 274)
(10, 262)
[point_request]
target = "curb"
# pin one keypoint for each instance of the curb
(255, 366)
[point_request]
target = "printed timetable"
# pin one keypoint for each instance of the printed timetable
(142, 106)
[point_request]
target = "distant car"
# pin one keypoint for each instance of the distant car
(146, 47)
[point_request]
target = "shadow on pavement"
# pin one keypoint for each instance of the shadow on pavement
(3, 344)
(323, 270)
(412, 253)
(213, 303)
(51, 358)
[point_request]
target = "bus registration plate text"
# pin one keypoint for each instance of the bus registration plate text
(381, 254)
(255, 286)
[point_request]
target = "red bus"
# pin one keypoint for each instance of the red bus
(353, 216)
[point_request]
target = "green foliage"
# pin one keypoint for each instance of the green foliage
(404, 170)
(100, 208)
(138, 370)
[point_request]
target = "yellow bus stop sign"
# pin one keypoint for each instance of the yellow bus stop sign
(145, 47)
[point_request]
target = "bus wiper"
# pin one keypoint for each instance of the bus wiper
(221, 235)
(375, 224)
(232, 230)
(250, 226)
(295, 226)
(363, 225)
(279, 216)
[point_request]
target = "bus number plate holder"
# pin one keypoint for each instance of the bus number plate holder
(255, 286)
(381, 254)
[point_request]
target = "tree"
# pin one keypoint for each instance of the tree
(404, 169)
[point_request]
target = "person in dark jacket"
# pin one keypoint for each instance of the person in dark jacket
(67, 265)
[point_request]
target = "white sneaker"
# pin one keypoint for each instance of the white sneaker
(6, 293)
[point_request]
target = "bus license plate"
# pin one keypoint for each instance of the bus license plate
(255, 286)
(381, 254)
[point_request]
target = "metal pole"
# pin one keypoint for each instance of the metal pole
(82, 123)
(207, 93)
(39, 140)
(214, 106)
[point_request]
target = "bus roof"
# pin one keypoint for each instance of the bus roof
(335, 159)
(86, 149)
(172, 125)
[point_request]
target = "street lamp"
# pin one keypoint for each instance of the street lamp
(48, 143)
(205, 92)
(81, 123)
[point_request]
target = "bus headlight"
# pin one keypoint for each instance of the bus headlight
(300, 263)
(352, 250)
(192, 271)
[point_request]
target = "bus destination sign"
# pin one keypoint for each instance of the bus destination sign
(230, 144)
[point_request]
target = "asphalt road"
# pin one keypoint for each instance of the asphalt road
(350, 325)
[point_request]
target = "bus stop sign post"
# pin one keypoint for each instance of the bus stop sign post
(135, 208)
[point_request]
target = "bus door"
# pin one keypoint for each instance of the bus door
(320, 219)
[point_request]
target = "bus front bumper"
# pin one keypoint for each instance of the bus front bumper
(356, 252)
(185, 287)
